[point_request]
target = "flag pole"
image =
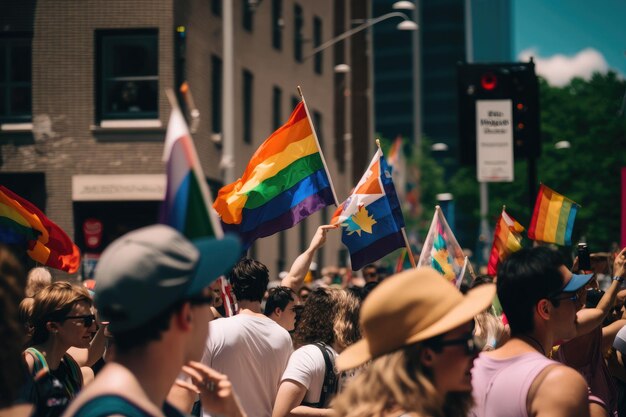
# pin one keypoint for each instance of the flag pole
(406, 239)
(308, 116)
(408, 248)
(197, 168)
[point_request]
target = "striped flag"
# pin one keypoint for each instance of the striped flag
(507, 239)
(23, 224)
(285, 181)
(553, 217)
(187, 205)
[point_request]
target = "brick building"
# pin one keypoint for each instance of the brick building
(83, 111)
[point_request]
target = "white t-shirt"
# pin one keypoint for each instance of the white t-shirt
(307, 367)
(253, 352)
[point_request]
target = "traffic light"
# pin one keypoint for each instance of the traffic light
(501, 81)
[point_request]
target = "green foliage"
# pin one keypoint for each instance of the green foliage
(584, 113)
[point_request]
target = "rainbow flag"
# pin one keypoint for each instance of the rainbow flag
(397, 165)
(187, 205)
(23, 224)
(441, 250)
(285, 181)
(553, 217)
(371, 216)
(507, 239)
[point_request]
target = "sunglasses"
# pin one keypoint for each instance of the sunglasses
(88, 319)
(468, 343)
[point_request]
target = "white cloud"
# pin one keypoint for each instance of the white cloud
(559, 69)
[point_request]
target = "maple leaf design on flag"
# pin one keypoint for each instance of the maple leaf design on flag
(359, 222)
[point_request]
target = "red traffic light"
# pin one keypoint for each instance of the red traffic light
(488, 81)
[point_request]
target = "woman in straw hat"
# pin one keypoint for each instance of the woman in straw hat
(417, 333)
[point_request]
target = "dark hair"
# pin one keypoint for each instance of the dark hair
(249, 279)
(367, 289)
(147, 332)
(12, 369)
(524, 278)
(482, 279)
(278, 297)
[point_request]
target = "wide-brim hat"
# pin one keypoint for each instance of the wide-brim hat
(409, 307)
(146, 271)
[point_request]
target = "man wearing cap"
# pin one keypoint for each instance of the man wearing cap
(153, 289)
(539, 297)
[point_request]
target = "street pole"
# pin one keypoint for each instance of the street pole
(228, 94)
(483, 237)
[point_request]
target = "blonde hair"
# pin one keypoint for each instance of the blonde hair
(38, 278)
(398, 381)
(53, 303)
(489, 333)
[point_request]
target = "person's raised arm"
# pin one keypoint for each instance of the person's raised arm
(300, 267)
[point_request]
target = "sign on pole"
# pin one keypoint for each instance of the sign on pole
(494, 140)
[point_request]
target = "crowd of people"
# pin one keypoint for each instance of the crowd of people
(153, 337)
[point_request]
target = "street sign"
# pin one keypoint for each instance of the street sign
(494, 140)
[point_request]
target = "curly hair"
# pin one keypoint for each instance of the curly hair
(53, 303)
(398, 380)
(330, 316)
(12, 369)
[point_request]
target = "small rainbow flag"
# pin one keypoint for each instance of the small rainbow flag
(507, 239)
(285, 181)
(21, 223)
(553, 217)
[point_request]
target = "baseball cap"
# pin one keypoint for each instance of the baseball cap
(576, 282)
(146, 271)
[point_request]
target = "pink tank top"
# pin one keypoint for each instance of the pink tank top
(500, 386)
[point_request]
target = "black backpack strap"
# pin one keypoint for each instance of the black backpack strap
(330, 385)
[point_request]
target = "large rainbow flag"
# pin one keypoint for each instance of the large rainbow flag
(553, 217)
(23, 224)
(187, 205)
(371, 216)
(507, 239)
(442, 252)
(285, 181)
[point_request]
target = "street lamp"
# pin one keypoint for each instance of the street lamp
(406, 24)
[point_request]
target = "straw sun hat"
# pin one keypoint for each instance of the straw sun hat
(409, 307)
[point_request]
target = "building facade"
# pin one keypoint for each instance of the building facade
(83, 111)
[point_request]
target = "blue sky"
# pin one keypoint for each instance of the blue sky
(587, 34)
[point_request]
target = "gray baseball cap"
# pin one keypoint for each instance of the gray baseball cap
(146, 271)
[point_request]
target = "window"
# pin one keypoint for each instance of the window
(298, 24)
(248, 80)
(248, 14)
(294, 102)
(317, 124)
(317, 41)
(277, 97)
(15, 79)
(216, 7)
(277, 24)
(304, 237)
(128, 77)
(216, 93)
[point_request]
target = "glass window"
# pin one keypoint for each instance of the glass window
(216, 93)
(128, 78)
(216, 7)
(298, 24)
(277, 24)
(317, 123)
(248, 80)
(317, 41)
(15, 79)
(248, 14)
(277, 97)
